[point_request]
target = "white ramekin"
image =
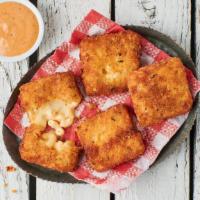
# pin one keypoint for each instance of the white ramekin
(40, 34)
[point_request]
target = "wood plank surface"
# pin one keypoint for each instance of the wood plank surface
(13, 185)
(169, 179)
(60, 18)
(196, 183)
(49, 190)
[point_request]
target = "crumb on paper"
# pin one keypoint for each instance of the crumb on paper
(10, 169)
(14, 190)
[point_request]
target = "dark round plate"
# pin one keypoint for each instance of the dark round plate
(161, 41)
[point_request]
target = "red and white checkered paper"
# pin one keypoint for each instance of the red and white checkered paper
(66, 58)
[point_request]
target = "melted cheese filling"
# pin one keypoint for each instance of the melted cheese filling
(51, 140)
(111, 73)
(56, 110)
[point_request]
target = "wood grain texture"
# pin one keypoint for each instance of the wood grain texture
(50, 190)
(10, 74)
(60, 18)
(170, 17)
(170, 179)
(196, 194)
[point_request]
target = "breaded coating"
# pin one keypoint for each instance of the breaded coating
(160, 91)
(51, 98)
(121, 149)
(109, 138)
(107, 60)
(44, 149)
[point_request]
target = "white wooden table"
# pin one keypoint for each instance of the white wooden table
(178, 177)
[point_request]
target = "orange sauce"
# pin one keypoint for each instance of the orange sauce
(18, 29)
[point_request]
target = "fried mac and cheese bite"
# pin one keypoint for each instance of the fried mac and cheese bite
(107, 60)
(50, 101)
(160, 91)
(109, 138)
(54, 97)
(44, 148)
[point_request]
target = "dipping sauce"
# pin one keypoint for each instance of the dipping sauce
(19, 29)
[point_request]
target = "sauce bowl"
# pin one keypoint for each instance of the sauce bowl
(37, 42)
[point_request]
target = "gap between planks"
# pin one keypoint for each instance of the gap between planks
(193, 131)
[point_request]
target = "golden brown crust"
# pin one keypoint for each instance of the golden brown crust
(107, 61)
(36, 93)
(109, 139)
(160, 91)
(51, 98)
(33, 149)
(123, 148)
(104, 126)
